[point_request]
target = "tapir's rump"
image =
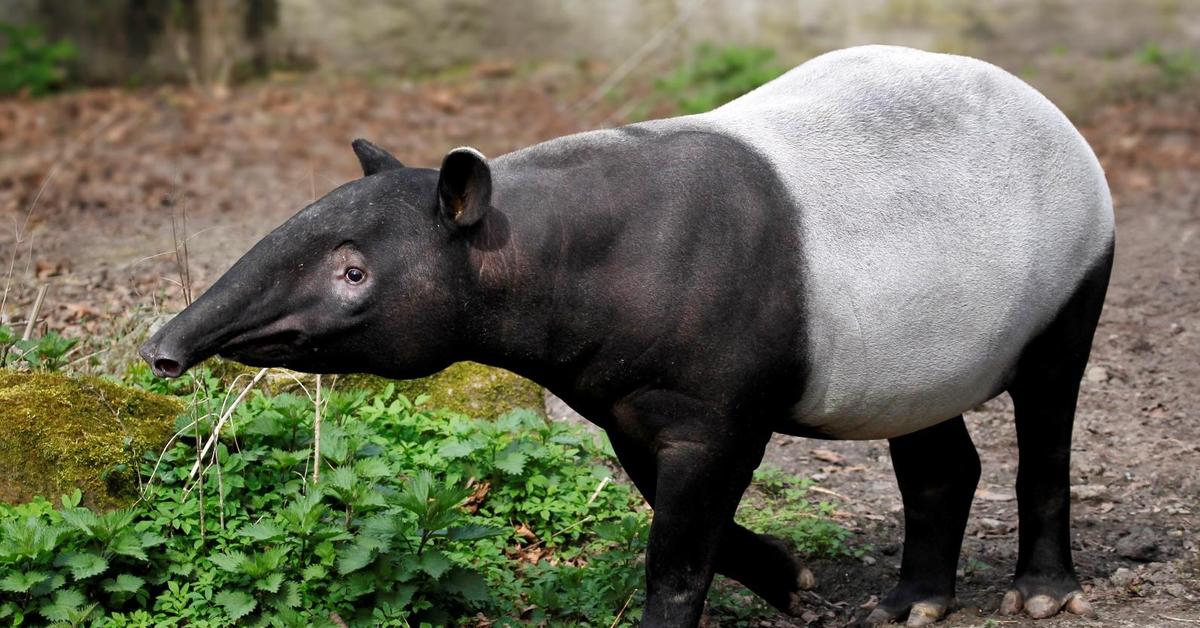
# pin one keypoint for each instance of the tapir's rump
(947, 211)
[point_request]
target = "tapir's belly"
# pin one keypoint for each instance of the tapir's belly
(894, 352)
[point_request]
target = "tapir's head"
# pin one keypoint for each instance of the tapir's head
(367, 279)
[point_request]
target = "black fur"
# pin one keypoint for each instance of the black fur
(1044, 390)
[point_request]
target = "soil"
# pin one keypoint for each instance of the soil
(91, 183)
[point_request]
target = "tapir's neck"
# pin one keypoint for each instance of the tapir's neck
(518, 260)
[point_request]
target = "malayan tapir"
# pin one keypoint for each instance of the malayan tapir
(866, 247)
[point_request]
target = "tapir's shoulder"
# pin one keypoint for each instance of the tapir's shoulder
(653, 144)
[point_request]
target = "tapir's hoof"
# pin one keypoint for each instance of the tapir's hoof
(1041, 606)
(919, 614)
(806, 581)
(797, 603)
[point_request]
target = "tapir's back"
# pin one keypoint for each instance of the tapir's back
(946, 212)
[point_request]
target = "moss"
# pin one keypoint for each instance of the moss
(466, 387)
(58, 433)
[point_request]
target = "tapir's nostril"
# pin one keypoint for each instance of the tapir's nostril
(166, 367)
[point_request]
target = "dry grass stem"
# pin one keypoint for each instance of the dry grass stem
(34, 311)
(317, 434)
(212, 439)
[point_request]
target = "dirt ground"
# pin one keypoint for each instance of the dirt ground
(90, 183)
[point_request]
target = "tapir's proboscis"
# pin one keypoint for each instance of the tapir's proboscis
(866, 247)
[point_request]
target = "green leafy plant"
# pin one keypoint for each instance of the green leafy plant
(1176, 67)
(715, 76)
(47, 352)
(780, 504)
(418, 516)
(29, 63)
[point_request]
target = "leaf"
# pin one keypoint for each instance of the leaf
(471, 532)
(22, 582)
(65, 603)
(49, 585)
(341, 478)
(454, 448)
(289, 596)
(399, 596)
(470, 585)
(124, 583)
(128, 544)
(608, 531)
(80, 518)
(85, 566)
(434, 563)
(355, 557)
(71, 500)
(511, 462)
(314, 572)
(237, 604)
(372, 468)
(514, 420)
(261, 531)
(359, 585)
(270, 583)
(152, 539)
(233, 562)
(334, 446)
(415, 495)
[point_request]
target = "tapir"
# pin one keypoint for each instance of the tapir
(864, 248)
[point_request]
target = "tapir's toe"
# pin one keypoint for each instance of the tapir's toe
(1041, 605)
(921, 613)
(798, 602)
(806, 581)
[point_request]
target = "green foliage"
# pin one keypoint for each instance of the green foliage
(779, 504)
(1176, 67)
(417, 517)
(48, 352)
(28, 62)
(609, 589)
(715, 76)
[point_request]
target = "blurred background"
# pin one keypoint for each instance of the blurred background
(1075, 50)
(146, 144)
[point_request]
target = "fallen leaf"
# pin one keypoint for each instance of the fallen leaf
(826, 455)
(989, 495)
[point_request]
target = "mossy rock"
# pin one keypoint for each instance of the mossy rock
(59, 433)
(467, 387)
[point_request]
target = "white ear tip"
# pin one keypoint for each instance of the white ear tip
(470, 151)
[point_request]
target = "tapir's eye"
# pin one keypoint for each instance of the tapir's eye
(355, 275)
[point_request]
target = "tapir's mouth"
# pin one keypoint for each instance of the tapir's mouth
(264, 349)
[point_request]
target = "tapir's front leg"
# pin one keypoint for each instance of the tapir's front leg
(703, 467)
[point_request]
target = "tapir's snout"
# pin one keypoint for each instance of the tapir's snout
(164, 363)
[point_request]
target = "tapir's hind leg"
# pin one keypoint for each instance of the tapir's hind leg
(762, 563)
(937, 469)
(1044, 391)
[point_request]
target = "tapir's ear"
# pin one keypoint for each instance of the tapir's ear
(464, 186)
(373, 158)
